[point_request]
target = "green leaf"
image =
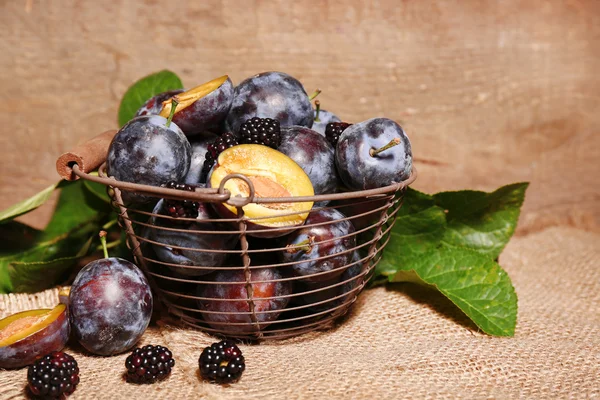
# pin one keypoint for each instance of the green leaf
(31, 203)
(143, 89)
(43, 257)
(472, 281)
(35, 276)
(433, 243)
(40, 265)
(98, 190)
(76, 206)
(482, 221)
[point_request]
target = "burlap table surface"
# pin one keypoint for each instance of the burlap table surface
(401, 342)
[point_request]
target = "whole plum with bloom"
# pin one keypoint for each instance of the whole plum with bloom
(372, 154)
(199, 146)
(270, 95)
(217, 307)
(314, 154)
(323, 249)
(110, 306)
(150, 151)
(188, 248)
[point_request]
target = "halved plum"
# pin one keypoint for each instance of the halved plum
(202, 108)
(28, 335)
(273, 174)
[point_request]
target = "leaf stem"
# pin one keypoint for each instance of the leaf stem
(392, 143)
(109, 245)
(314, 95)
(109, 224)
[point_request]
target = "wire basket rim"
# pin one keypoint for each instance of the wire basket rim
(213, 195)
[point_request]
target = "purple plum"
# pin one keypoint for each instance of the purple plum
(314, 154)
(147, 150)
(110, 306)
(372, 154)
(322, 249)
(270, 95)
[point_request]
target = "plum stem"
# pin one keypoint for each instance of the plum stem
(392, 143)
(314, 95)
(306, 246)
(318, 106)
(102, 235)
(174, 102)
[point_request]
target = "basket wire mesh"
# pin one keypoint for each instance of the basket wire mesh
(260, 294)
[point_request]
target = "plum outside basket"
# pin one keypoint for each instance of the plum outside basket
(309, 306)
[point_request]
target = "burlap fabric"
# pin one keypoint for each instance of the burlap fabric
(401, 342)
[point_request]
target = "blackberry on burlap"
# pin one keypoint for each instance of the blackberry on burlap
(149, 364)
(222, 362)
(53, 376)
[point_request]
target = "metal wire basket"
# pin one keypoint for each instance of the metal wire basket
(255, 291)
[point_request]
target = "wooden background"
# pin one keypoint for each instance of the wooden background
(489, 92)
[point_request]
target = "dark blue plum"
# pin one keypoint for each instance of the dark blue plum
(360, 168)
(194, 256)
(304, 246)
(154, 105)
(314, 154)
(147, 152)
(333, 293)
(266, 310)
(325, 117)
(199, 148)
(270, 95)
(110, 306)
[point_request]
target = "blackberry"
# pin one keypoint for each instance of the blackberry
(333, 130)
(220, 144)
(222, 362)
(265, 131)
(53, 376)
(149, 364)
(181, 208)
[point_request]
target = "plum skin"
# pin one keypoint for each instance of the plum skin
(146, 151)
(218, 292)
(199, 241)
(153, 106)
(110, 306)
(334, 261)
(208, 112)
(52, 337)
(326, 293)
(325, 117)
(361, 205)
(199, 146)
(205, 114)
(314, 154)
(270, 95)
(358, 169)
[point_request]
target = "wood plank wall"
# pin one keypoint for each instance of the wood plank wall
(490, 92)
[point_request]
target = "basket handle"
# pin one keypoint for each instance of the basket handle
(88, 156)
